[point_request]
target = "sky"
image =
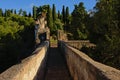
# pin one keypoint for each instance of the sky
(28, 4)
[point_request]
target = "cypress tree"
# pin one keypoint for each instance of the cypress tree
(11, 11)
(63, 14)
(1, 12)
(49, 18)
(5, 14)
(34, 12)
(15, 11)
(54, 13)
(29, 15)
(67, 15)
(24, 14)
(58, 14)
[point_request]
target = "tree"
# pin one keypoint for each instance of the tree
(20, 12)
(49, 19)
(78, 25)
(104, 31)
(34, 12)
(7, 13)
(15, 11)
(59, 15)
(1, 12)
(68, 20)
(58, 25)
(54, 13)
(42, 9)
(67, 15)
(29, 15)
(24, 13)
(18, 31)
(12, 11)
(63, 14)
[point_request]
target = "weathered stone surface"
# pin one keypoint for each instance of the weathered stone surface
(28, 69)
(56, 65)
(42, 32)
(80, 43)
(62, 35)
(83, 67)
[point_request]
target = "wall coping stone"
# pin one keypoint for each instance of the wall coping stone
(18, 71)
(109, 72)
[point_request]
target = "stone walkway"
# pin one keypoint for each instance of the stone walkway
(56, 66)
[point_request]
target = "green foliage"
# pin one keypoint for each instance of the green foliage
(63, 14)
(1, 12)
(42, 9)
(59, 15)
(7, 13)
(16, 38)
(15, 11)
(49, 18)
(29, 15)
(56, 22)
(59, 24)
(34, 12)
(52, 20)
(1, 20)
(54, 13)
(104, 31)
(78, 24)
(67, 16)
(20, 12)
(24, 13)
(67, 20)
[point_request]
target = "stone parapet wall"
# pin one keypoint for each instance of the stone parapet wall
(30, 67)
(80, 43)
(61, 35)
(82, 67)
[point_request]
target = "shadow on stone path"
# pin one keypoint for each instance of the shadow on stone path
(56, 66)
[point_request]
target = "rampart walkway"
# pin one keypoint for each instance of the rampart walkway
(56, 65)
(62, 63)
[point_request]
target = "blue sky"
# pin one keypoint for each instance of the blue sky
(27, 4)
